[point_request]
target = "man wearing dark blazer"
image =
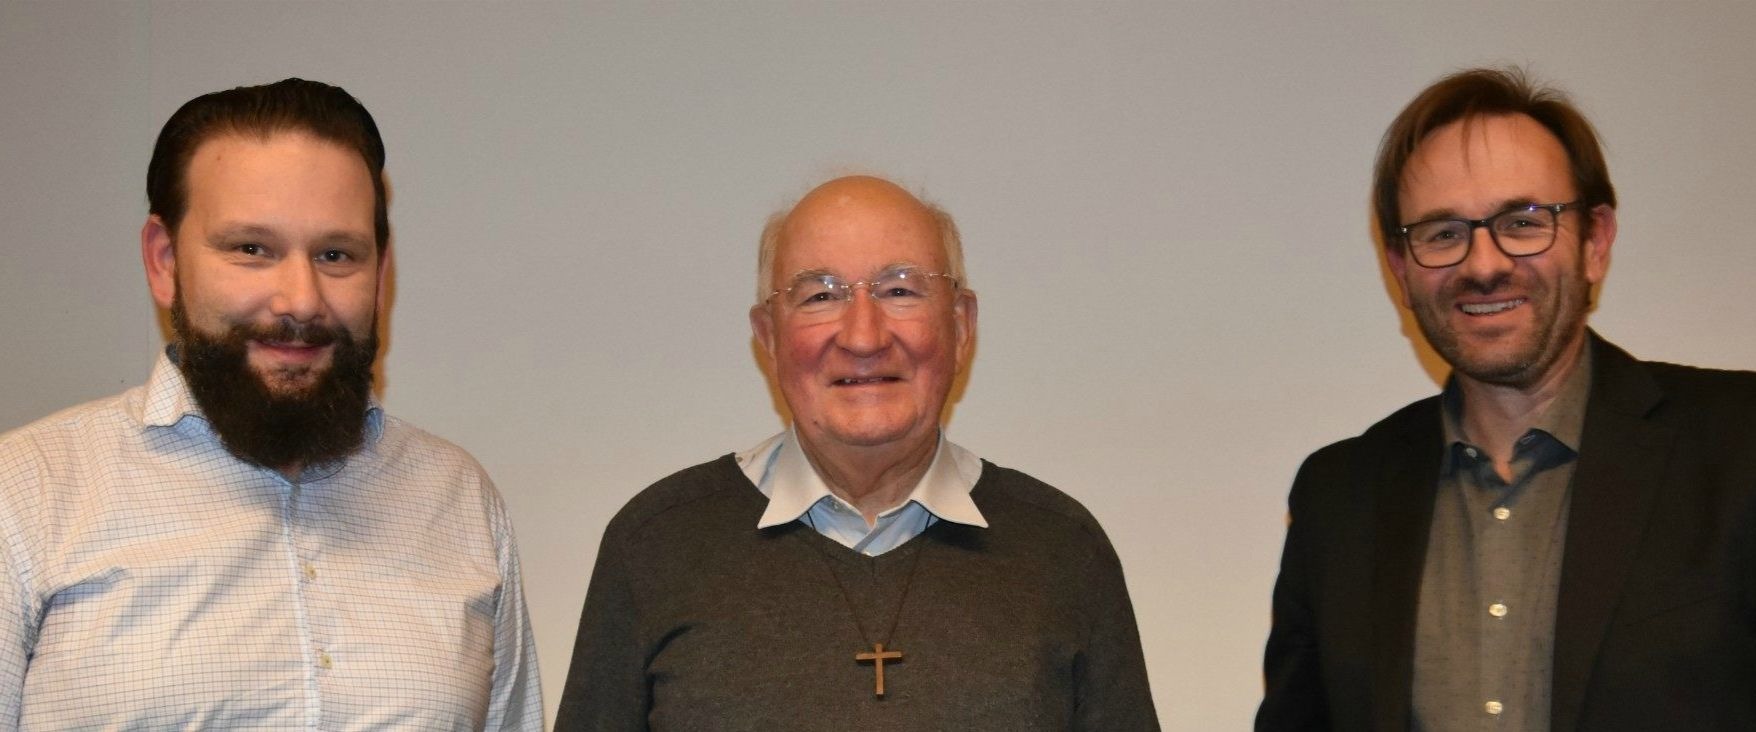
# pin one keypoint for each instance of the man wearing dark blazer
(1565, 538)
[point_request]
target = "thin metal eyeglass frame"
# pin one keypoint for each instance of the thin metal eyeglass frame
(1487, 223)
(848, 287)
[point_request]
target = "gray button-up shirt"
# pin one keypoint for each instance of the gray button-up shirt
(1485, 627)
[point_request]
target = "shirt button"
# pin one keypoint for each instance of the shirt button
(1493, 707)
(323, 660)
(310, 571)
(1502, 513)
(1499, 611)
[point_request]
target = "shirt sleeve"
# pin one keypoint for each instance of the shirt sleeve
(1111, 688)
(19, 608)
(515, 701)
(606, 685)
(17, 633)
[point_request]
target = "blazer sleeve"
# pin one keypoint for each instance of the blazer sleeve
(1294, 696)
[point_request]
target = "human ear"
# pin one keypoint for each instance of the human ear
(1596, 248)
(159, 254)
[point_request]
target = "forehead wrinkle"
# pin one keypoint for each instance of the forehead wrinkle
(241, 229)
(860, 218)
(1479, 141)
(892, 267)
(859, 231)
(857, 202)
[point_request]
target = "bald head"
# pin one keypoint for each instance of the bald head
(866, 377)
(857, 203)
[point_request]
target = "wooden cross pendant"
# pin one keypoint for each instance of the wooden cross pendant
(877, 657)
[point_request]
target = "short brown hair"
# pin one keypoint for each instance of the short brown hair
(1483, 92)
(326, 112)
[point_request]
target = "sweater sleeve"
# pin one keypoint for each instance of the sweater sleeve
(1111, 690)
(606, 686)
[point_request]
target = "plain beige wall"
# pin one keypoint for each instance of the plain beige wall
(1164, 205)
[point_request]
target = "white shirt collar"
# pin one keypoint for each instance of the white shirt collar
(166, 399)
(778, 467)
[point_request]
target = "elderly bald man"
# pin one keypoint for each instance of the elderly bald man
(858, 570)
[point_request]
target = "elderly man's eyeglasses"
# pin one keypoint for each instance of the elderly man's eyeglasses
(1522, 231)
(901, 292)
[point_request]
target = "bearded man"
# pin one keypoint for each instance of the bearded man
(1565, 537)
(247, 540)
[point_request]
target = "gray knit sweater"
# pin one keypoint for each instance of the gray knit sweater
(697, 620)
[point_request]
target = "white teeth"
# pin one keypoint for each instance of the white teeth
(1486, 308)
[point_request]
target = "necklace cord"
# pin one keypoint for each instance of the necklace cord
(896, 617)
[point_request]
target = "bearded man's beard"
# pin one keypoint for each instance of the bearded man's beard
(320, 422)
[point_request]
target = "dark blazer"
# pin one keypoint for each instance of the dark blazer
(1655, 623)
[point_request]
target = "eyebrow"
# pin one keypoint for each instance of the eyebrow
(241, 231)
(257, 231)
(824, 272)
(344, 238)
(1451, 213)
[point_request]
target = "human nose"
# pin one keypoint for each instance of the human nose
(296, 293)
(865, 329)
(1485, 261)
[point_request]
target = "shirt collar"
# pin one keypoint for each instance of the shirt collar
(1564, 419)
(166, 400)
(780, 470)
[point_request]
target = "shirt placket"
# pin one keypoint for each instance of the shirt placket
(303, 550)
(1499, 577)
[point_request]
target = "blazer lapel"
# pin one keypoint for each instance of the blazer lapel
(1621, 461)
(1404, 495)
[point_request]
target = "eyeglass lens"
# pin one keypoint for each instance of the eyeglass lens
(1520, 232)
(897, 291)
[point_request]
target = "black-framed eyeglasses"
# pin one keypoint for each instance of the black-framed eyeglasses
(1520, 231)
(899, 291)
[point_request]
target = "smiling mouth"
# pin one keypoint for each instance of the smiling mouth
(863, 381)
(1490, 308)
(292, 351)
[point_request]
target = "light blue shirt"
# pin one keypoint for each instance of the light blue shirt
(779, 468)
(151, 580)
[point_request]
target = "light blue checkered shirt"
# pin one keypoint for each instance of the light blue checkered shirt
(150, 580)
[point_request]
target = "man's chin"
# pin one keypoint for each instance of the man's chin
(289, 383)
(1493, 356)
(1515, 363)
(870, 433)
(1499, 373)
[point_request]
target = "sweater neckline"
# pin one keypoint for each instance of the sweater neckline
(831, 549)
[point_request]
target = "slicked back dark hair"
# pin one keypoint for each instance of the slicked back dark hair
(1486, 92)
(326, 112)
